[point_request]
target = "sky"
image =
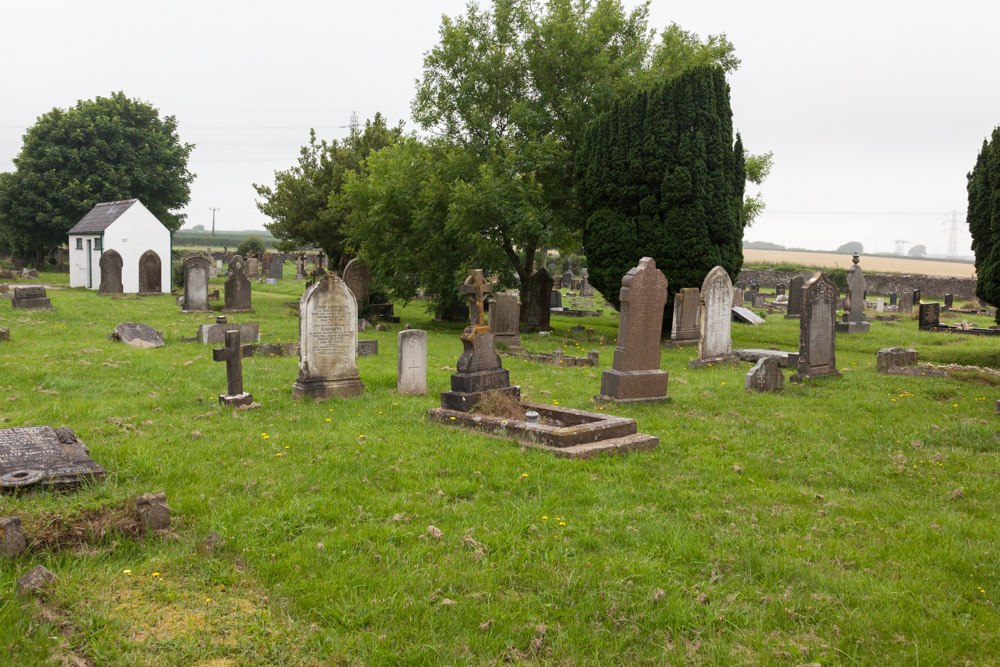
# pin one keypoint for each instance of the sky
(875, 111)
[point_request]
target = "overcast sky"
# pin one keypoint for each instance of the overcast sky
(875, 110)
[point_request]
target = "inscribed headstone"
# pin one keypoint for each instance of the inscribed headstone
(253, 268)
(359, 280)
(238, 291)
(111, 273)
(906, 303)
(535, 314)
(31, 298)
(854, 320)
(411, 371)
(44, 455)
(328, 339)
(150, 273)
(505, 319)
(930, 315)
(715, 344)
(196, 283)
(795, 297)
(817, 330)
(687, 316)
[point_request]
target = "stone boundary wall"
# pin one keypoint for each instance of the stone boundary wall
(878, 283)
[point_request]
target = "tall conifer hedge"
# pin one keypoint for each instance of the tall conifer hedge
(662, 177)
(984, 220)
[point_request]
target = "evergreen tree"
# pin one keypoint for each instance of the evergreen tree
(662, 177)
(984, 220)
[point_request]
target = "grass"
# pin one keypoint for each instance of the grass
(845, 521)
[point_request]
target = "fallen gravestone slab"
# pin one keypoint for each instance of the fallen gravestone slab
(44, 455)
(746, 316)
(137, 334)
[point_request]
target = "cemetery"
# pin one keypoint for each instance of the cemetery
(743, 496)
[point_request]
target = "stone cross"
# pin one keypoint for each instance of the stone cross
(475, 290)
(233, 354)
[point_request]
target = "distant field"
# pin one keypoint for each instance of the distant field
(925, 267)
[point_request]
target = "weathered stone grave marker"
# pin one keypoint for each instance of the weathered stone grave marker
(764, 376)
(817, 330)
(411, 364)
(150, 273)
(715, 344)
(536, 315)
(44, 455)
(31, 298)
(136, 334)
(196, 283)
(237, 288)
(111, 273)
(930, 316)
(359, 280)
(687, 316)
(277, 271)
(854, 320)
(504, 321)
(233, 354)
(794, 298)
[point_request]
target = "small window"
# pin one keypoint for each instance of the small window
(79, 243)
(98, 244)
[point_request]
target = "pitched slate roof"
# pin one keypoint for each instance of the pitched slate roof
(101, 216)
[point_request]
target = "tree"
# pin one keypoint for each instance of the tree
(984, 219)
(663, 177)
(250, 246)
(918, 251)
(302, 202)
(851, 248)
(105, 149)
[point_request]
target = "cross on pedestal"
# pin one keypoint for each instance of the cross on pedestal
(475, 290)
(233, 354)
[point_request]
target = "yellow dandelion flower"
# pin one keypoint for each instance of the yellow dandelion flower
(126, 571)
(524, 474)
(544, 518)
(156, 574)
(562, 523)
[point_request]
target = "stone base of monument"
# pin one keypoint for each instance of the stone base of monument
(799, 377)
(468, 388)
(513, 342)
(323, 389)
(672, 343)
(753, 355)
(245, 398)
(796, 316)
(186, 310)
(712, 361)
(633, 386)
(853, 327)
(564, 432)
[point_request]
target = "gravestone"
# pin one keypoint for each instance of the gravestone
(277, 270)
(906, 303)
(367, 347)
(880, 305)
(715, 344)
(150, 273)
(930, 316)
(29, 273)
(916, 297)
(253, 268)
(328, 341)
(759, 300)
(233, 354)
(238, 292)
(687, 316)
(567, 279)
(504, 321)
(893, 298)
(479, 368)
(555, 299)
(794, 310)
(136, 334)
(854, 320)
(817, 330)
(635, 374)
(889, 358)
(764, 376)
(359, 280)
(44, 455)
(300, 268)
(949, 301)
(746, 316)
(31, 298)
(737, 296)
(536, 314)
(586, 289)
(411, 362)
(779, 289)
(111, 273)
(4, 334)
(196, 283)
(216, 333)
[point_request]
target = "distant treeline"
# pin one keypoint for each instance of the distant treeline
(765, 245)
(226, 239)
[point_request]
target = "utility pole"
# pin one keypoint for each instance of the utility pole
(900, 246)
(953, 236)
(213, 210)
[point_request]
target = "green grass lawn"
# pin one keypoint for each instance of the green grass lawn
(848, 520)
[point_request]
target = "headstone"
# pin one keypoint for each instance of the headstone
(300, 268)
(271, 281)
(238, 292)
(586, 289)
(136, 334)
(755, 354)
(737, 296)
(536, 314)
(411, 367)
(367, 347)
(894, 357)
(150, 273)
(31, 298)
(715, 344)
(154, 514)
(930, 315)
(567, 279)
(277, 271)
(794, 310)
(880, 305)
(635, 374)
(12, 540)
(746, 316)
(916, 297)
(779, 289)
(555, 299)
(328, 340)
(4, 334)
(233, 354)
(196, 283)
(949, 301)
(854, 320)
(817, 331)
(44, 455)
(479, 368)
(504, 321)
(893, 298)
(218, 264)
(359, 280)
(30, 273)
(111, 273)
(759, 300)
(253, 268)
(216, 333)
(687, 316)
(764, 376)
(906, 303)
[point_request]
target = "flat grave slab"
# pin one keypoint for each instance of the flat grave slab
(746, 316)
(45, 456)
(753, 355)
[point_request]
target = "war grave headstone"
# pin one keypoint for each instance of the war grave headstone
(854, 320)
(893, 298)
(764, 376)
(929, 316)
(44, 455)
(411, 362)
(233, 354)
(253, 268)
(328, 339)
(635, 374)
(505, 313)
(794, 310)
(359, 280)
(136, 334)
(196, 284)
(111, 273)
(687, 317)
(906, 303)
(31, 298)
(537, 313)
(237, 289)
(150, 273)
(715, 345)
(817, 330)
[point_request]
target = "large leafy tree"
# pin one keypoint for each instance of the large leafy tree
(662, 176)
(984, 219)
(104, 149)
(302, 203)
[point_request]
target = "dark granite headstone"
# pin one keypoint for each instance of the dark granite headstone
(44, 455)
(916, 297)
(111, 273)
(949, 300)
(150, 273)
(930, 315)
(555, 299)
(238, 292)
(535, 314)
(779, 289)
(893, 298)
(795, 297)
(505, 320)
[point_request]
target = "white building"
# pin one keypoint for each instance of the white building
(130, 230)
